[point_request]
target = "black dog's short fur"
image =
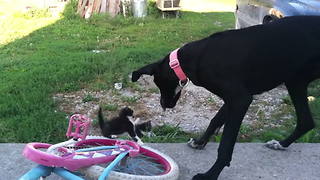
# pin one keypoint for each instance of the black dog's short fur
(123, 124)
(237, 64)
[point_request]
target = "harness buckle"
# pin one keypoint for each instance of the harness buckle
(174, 63)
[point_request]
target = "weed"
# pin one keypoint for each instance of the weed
(154, 90)
(95, 123)
(110, 107)
(130, 99)
(217, 138)
(211, 100)
(287, 100)
(88, 98)
(167, 133)
(70, 10)
(313, 89)
(152, 9)
(135, 86)
(308, 136)
(245, 129)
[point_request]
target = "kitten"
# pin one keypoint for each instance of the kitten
(124, 122)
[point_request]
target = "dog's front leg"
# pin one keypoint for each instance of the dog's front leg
(214, 125)
(236, 108)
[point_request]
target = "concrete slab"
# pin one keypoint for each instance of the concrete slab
(14, 165)
(251, 161)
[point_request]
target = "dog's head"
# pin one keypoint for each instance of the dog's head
(165, 80)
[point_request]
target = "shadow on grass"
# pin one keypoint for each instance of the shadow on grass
(74, 53)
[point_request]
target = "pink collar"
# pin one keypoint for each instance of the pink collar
(175, 65)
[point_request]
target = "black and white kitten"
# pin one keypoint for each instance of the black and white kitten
(123, 123)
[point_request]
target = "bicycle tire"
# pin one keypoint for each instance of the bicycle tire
(94, 172)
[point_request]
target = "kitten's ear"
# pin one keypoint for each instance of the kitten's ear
(148, 70)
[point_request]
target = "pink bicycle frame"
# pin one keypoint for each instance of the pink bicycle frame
(70, 161)
(81, 124)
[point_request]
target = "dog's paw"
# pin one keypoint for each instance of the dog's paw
(113, 136)
(150, 134)
(275, 145)
(194, 145)
(140, 142)
(203, 177)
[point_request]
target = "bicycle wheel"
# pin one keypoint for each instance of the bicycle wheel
(150, 164)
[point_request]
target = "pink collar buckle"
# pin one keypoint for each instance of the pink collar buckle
(175, 65)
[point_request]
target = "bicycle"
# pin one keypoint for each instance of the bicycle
(91, 157)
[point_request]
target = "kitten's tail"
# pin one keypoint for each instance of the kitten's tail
(101, 120)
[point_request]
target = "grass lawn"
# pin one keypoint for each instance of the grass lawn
(59, 56)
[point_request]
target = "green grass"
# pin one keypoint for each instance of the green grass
(59, 57)
(89, 98)
(251, 134)
(168, 134)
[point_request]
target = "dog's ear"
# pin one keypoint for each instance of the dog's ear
(149, 69)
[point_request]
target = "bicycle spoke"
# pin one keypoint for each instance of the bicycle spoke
(141, 165)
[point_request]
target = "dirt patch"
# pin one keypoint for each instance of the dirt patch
(193, 112)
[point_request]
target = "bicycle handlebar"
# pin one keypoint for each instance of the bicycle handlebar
(52, 149)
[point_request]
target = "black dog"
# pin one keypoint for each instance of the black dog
(237, 64)
(123, 123)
